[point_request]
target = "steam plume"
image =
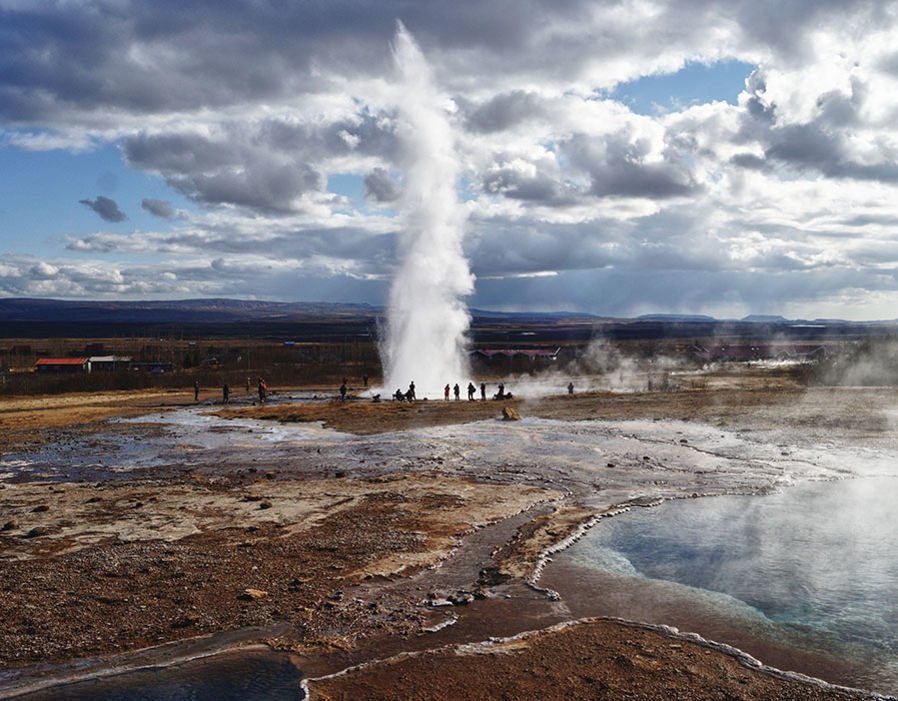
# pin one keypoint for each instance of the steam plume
(427, 319)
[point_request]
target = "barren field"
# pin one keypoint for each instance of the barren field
(410, 570)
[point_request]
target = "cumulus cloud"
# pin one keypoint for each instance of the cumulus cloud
(575, 198)
(158, 208)
(106, 208)
(380, 186)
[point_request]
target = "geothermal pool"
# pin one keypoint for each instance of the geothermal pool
(811, 568)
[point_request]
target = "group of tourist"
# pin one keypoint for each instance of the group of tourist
(226, 391)
(409, 394)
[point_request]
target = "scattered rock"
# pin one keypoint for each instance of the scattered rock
(491, 576)
(37, 532)
(252, 595)
(509, 414)
(461, 598)
(10, 525)
(40, 508)
(187, 620)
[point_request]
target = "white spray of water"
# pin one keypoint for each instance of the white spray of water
(427, 319)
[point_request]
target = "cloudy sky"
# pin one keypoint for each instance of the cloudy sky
(619, 158)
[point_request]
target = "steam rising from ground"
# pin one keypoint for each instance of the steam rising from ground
(602, 366)
(427, 319)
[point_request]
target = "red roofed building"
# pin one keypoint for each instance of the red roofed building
(62, 364)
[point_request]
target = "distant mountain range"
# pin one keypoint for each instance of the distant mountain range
(22, 317)
(178, 311)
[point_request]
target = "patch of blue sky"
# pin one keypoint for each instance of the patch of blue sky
(349, 185)
(41, 195)
(694, 84)
(352, 187)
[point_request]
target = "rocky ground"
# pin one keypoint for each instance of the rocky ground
(415, 567)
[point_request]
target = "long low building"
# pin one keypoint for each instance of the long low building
(109, 362)
(63, 365)
(84, 364)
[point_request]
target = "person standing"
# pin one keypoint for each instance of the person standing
(225, 394)
(343, 392)
(456, 391)
(471, 390)
(196, 390)
(483, 391)
(446, 392)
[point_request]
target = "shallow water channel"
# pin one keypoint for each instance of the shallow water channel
(242, 675)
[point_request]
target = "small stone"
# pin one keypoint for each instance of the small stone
(10, 525)
(187, 620)
(252, 594)
(509, 414)
(461, 598)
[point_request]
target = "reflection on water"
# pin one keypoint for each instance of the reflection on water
(235, 676)
(814, 564)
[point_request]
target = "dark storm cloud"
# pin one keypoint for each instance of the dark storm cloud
(503, 111)
(158, 208)
(363, 134)
(265, 166)
(787, 26)
(629, 291)
(515, 247)
(381, 187)
(810, 148)
(535, 187)
(106, 208)
(225, 171)
(821, 143)
(623, 165)
(154, 56)
(145, 57)
(257, 184)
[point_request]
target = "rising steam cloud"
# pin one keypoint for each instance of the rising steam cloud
(427, 319)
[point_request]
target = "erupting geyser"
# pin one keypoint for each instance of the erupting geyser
(426, 318)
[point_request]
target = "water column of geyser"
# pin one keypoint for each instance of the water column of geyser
(426, 319)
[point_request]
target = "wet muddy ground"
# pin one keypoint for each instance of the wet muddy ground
(353, 532)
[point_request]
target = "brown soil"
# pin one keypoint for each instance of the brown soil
(336, 569)
(595, 659)
(29, 420)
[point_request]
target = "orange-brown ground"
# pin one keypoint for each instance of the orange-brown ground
(334, 569)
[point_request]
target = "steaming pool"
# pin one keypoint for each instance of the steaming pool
(811, 568)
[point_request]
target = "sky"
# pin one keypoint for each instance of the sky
(617, 158)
